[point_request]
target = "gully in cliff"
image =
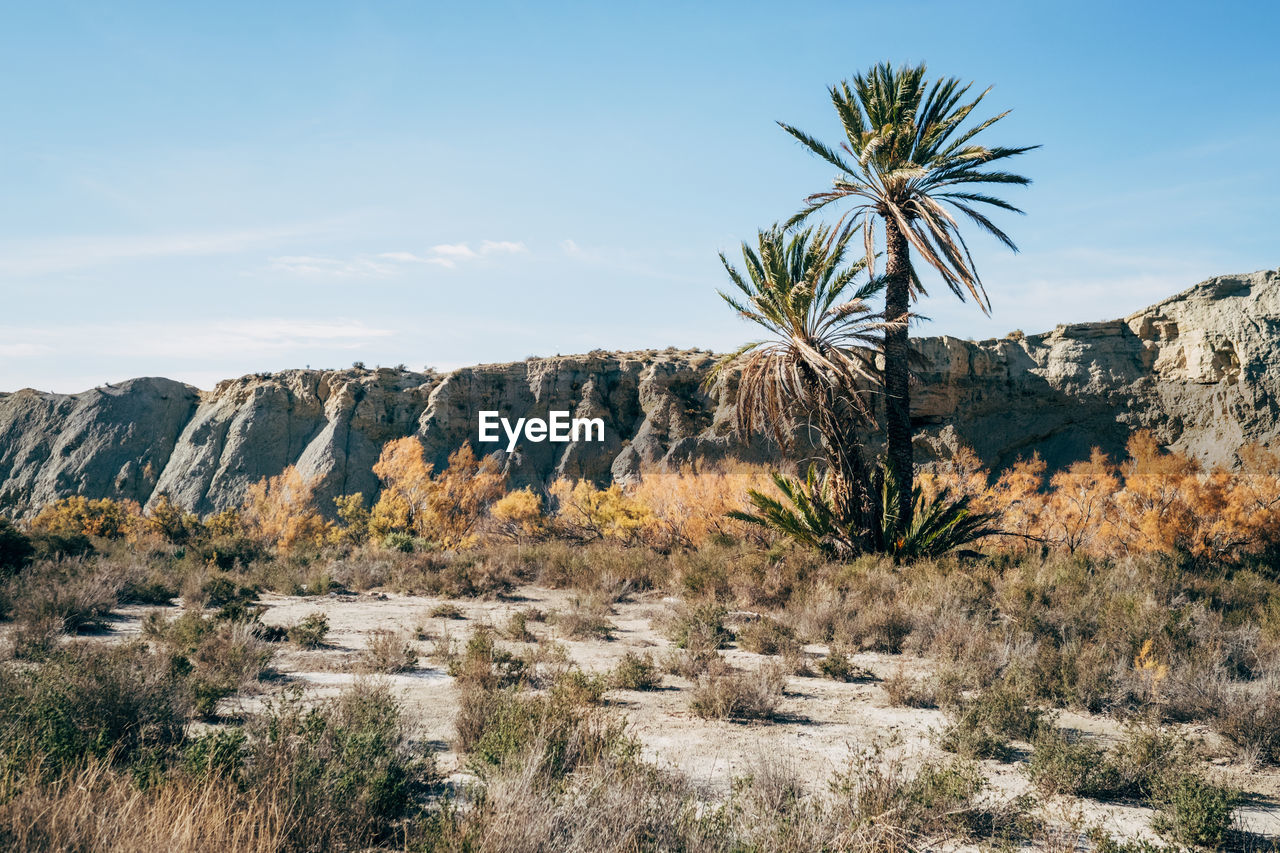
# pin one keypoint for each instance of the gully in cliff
(559, 428)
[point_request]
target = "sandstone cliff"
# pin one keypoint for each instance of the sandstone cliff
(1201, 369)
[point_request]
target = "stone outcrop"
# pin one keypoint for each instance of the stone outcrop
(1202, 370)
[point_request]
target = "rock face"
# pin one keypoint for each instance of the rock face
(1202, 370)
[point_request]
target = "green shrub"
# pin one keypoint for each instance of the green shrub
(699, 625)
(485, 665)
(344, 767)
(402, 542)
(86, 701)
(578, 688)
(1060, 765)
(309, 633)
(838, 667)
(1194, 811)
(16, 549)
(982, 727)
(636, 673)
(496, 726)
(219, 656)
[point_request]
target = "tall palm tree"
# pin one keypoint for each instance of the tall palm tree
(818, 362)
(905, 161)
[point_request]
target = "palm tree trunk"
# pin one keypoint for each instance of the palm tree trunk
(897, 367)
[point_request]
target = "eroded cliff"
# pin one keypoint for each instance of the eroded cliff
(1201, 369)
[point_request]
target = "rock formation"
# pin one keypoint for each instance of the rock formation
(1202, 370)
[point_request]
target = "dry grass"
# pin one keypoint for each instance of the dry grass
(732, 695)
(388, 652)
(96, 808)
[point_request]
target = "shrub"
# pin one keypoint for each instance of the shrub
(485, 665)
(446, 611)
(586, 619)
(518, 516)
(172, 523)
(838, 667)
(83, 702)
(62, 597)
(700, 625)
(517, 629)
(1251, 721)
(1194, 811)
(578, 688)
(501, 725)
(1060, 765)
(80, 516)
(587, 513)
(739, 695)
(982, 726)
(908, 692)
(389, 652)
(634, 672)
(766, 636)
(309, 633)
(219, 656)
(343, 769)
(16, 549)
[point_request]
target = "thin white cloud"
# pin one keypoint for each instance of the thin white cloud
(24, 350)
(385, 264)
(506, 247)
(215, 340)
(65, 254)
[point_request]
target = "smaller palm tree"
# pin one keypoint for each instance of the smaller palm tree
(818, 362)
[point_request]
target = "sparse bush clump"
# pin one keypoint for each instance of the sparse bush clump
(838, 667)
(388, 652)
(310, 632)
(699, 626)
(586, 619)
(909, 692)
(766, 636)
(83, 702)
(734, 695)
(982, 727)
(634, 672)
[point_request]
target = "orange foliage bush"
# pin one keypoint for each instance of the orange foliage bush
(691, 507)
(1155, 501)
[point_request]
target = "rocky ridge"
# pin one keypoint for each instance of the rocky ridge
(1201, 369)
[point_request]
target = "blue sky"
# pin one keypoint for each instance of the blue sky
(201, 191)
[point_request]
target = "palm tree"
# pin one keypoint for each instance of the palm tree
(818, 361)
(905, 161)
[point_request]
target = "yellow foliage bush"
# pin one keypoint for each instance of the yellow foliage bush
(518, 515)
(444, 507)
(586, 512)
(280, 510)
(77, 515)
(172, 523)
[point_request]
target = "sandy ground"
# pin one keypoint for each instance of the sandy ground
(822, 724)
